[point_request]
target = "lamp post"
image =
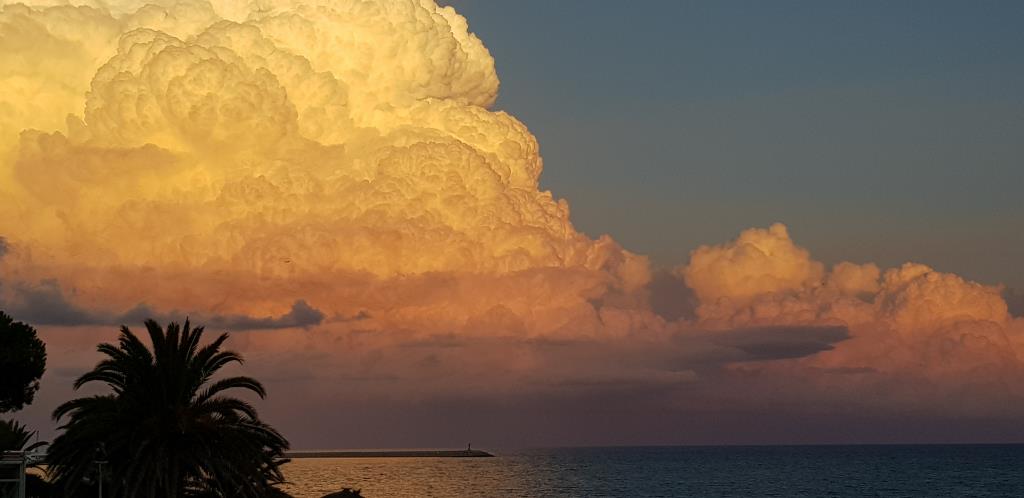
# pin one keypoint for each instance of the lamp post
(100, 464)
(101, 454)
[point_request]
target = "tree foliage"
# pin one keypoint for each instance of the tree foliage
(167, 429)
(16, 437)
(22, 363)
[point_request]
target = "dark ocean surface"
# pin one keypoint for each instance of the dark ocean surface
(783, 471)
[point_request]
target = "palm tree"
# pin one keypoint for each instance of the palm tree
(167, 430)
(16, 437)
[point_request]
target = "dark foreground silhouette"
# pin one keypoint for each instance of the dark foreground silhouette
(166, 428)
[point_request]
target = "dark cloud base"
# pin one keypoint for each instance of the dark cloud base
(780, 343)
(46, 304)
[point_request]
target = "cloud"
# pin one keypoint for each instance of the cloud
(255, 158)
(758, 262)
(335, 172)
(277, 103)
(923, 333)
(47, 304)
(780, 342)
(407, 366)
(302, 315)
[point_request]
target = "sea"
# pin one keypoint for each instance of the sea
(930, 471)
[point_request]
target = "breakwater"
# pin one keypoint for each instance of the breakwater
(390, 454)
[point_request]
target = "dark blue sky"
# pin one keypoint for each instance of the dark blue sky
(878, 131)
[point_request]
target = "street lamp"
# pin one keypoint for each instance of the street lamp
(101, 455)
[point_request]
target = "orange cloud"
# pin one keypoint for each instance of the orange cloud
(334, 170)
(934, 333)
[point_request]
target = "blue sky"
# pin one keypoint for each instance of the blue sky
(878, 131)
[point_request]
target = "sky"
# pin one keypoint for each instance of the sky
(876, 131)
(532, 223)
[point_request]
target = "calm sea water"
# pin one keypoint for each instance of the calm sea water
(796, 471)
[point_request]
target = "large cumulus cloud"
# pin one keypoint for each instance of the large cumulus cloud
(283, 144)
(334, 171)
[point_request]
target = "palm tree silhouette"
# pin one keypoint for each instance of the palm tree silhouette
(17, 437)
(167, 430)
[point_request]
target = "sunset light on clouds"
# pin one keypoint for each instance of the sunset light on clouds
(331, 182)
